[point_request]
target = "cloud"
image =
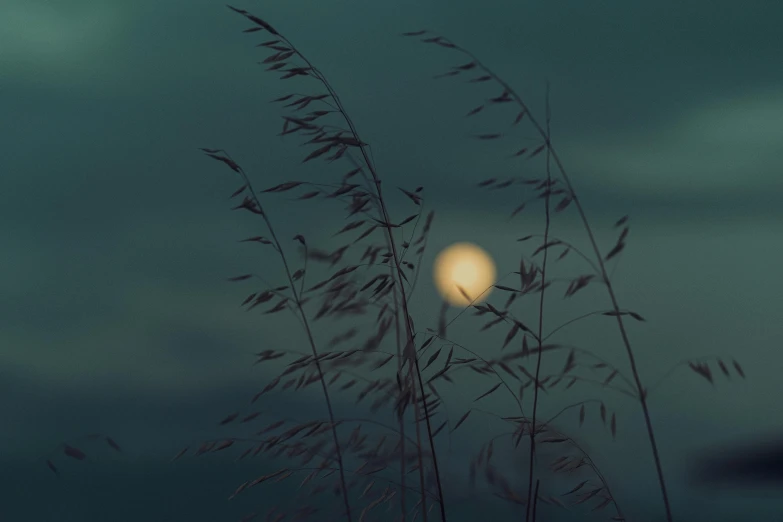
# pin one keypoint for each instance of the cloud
(721, 145)
(63, 43)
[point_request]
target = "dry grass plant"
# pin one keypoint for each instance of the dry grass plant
(388, 458)
(73, 450)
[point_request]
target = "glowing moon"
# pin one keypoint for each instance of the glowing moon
(464, 265)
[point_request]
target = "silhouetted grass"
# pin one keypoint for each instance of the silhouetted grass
(391, 456)
(70, 449)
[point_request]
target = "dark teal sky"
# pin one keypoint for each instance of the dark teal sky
(115, 315)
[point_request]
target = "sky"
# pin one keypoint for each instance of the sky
(116, 316)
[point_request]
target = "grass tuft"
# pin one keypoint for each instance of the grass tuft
(387, 460)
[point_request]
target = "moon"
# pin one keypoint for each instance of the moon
(464, 265)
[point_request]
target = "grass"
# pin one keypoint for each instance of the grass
(388, 461)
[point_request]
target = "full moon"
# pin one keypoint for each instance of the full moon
(464, 265)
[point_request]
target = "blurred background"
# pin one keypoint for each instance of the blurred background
(116, 316)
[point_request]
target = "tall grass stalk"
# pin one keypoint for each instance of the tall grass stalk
(601, 259)
(379, 285)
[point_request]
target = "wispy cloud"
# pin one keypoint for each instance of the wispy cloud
(723, 144)
(57, 42)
